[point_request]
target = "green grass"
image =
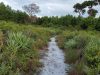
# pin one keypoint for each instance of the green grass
(19, 47)
(81, 46)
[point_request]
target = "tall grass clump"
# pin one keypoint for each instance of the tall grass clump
(17, 40)
(18, 55)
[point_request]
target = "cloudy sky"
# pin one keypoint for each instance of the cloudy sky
(48, 7)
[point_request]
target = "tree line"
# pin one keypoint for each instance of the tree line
(68, 21)
(8, 14)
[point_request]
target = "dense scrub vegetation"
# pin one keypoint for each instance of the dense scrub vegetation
(70, 22)
(19, 48)
(82, 51)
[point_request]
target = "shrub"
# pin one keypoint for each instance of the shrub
(81, 41)
(71, 44)
(92, 55)
(71, 56)
(17, 40)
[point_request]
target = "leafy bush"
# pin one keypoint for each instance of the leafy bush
(71, 44)
(92, 55)
(75, 47)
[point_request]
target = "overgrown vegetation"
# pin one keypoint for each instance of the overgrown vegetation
(82, 51)
(21, 41)
(19, 48)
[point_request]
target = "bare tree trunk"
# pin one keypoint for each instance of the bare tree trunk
(79, 13)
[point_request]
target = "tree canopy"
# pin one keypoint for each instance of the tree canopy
(80, 8)
(31, 9)
(8, 14)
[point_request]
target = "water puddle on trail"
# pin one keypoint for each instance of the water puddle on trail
(54, 60)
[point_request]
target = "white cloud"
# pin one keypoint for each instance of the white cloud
(48, 7)
(4, 1)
